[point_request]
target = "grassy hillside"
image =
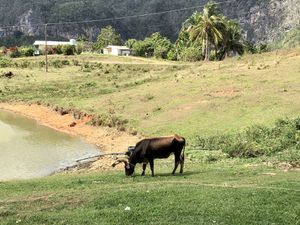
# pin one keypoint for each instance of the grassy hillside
(218, 193)
(160, 97)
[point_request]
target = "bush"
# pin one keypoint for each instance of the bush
(191, 54)
(59, 49)
(14, 52)
(68, 49)
(79, 48)
(25, 64)
(257, 140)
(172, 55)
(27, 51)
(56, 63)
(4, 62)
(161, 52)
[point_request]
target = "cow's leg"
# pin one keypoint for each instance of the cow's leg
(144, 168)
(177, 160)
(151, 161)
(181, 163)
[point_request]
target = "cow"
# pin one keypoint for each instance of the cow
(154, 148)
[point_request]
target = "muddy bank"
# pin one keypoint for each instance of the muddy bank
(106, 139)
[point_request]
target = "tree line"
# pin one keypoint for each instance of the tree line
(205, 35)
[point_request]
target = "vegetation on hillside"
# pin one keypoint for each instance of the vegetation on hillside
(200, 33)
(282, 140)
(289, 39)
(107, 36)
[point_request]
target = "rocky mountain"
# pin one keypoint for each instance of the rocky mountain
(261, 20)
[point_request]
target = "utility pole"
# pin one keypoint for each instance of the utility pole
(46, 48)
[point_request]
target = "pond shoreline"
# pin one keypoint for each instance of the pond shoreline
(107, 139)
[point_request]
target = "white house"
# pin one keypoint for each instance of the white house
(116, 50)
(40, 45)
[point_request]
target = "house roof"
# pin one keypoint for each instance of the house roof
(52, 43)
(117, 47)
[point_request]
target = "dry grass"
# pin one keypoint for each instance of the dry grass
(161, 97)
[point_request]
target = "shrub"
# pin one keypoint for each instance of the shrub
(4, 62)
(172, 55)
(27, 51)
(75, 62)
(68, 49)
(160, 52)
(14, 52)
(79, 48)
(41, 64)
(56, 63)
(191, 54)
(59, 49)
(25, 64)
(65, 62)
(257, 140)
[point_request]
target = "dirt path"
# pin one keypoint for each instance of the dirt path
(106, 139)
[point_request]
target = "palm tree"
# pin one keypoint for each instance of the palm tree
(208, 29)
(233, 41)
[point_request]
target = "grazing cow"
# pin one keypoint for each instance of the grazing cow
(155, 148)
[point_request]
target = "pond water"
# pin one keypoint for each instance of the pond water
(29, 150)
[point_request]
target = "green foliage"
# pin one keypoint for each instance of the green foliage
(108, 36)
(249, 47)
(5, 62)
(172, 55)
(289, 39)
(142, 48)
(59, 63)
(210, 29)
(155, 45)
(257, 140)
(14, 52)
(68, 49)
(262, 47)
(191, 54)
(27, 51)
(79, 48)
(130, 42)
(59, 49)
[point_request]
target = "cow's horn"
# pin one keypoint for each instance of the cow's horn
(119, 161)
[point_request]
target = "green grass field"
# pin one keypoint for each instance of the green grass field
(231, 192)
(161, 98)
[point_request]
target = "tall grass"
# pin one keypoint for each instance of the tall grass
(258, 140)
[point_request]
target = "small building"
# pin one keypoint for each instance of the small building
(40, 45)
(117, 50)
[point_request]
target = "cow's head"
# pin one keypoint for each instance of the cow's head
(129, 168)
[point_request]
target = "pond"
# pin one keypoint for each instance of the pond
(29, 150)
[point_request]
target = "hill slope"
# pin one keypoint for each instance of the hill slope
(160, 97)
(262, 20)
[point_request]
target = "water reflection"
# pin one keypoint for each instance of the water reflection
(28, 149)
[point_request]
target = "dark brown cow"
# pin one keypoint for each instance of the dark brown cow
(155, 148)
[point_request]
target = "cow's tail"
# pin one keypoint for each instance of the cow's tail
(182, 153)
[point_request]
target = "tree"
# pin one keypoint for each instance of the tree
(208, 28)
(108, 36)
(232, 41)
(156, 45)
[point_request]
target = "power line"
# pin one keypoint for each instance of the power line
(117, 18)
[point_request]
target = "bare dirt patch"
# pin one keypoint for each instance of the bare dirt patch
(227, 92)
